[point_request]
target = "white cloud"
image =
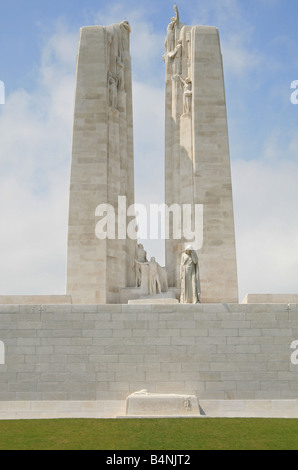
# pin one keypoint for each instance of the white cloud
(35, 134)
(265, 196)
(238, 58)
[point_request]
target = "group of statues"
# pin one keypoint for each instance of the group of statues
(156, 276)
(174, 53)
(153, 275)
(117, 38)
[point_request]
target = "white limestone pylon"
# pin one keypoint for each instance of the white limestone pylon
(102, 164)
(197, 157)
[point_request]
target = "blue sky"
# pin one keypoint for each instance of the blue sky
(38, 45)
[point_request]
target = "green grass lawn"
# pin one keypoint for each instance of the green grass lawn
(150, 434)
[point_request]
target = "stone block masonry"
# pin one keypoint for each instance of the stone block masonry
(106, 352)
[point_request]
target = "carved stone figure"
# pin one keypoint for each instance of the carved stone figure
(154, 281)
(125, 32)
(141, 258)
(125, 26)
(187, 95)
(176, 13)
(141, 254)
(189, 275)
(170, 39)
(117, 46)
(150, 276)
(187, 403)
(176, 55)
(163, 277)
(171, 32)
(113, 94)
(188, 42)
(120, 73)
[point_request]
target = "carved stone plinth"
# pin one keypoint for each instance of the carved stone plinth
(155, 404)
(164, 298)
(134, 295)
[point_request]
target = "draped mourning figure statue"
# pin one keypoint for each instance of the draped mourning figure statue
(189, 275)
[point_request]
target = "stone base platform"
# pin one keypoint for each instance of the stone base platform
(66, 360)
(285, 409)
(100, 409)
(113, 409)
(136, 293)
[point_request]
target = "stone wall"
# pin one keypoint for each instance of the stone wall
(105, 352)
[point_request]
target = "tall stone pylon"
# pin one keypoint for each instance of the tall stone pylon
(197, 158)
(102, 166)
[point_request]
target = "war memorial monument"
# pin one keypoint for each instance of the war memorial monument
(131, 337)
